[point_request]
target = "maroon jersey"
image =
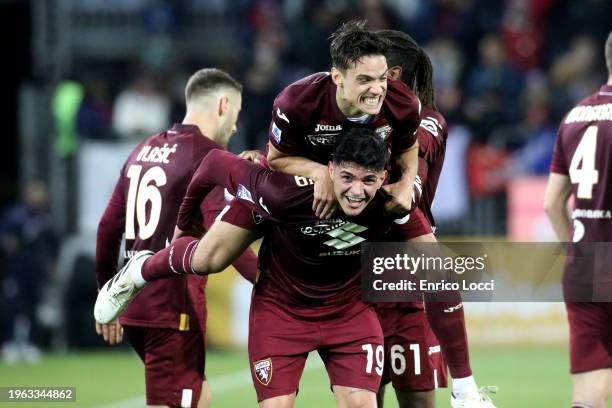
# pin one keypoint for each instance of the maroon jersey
(306, 118)
(583, 151)
(309, 264)
(144, 206)
(432, 134)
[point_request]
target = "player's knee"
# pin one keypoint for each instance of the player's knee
(591, 388)
(362, 399)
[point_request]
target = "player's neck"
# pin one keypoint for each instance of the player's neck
(207, 127)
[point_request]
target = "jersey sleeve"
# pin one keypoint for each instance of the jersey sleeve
(110, 231)
(286, 132)
(246, 265)
(404, 109)
(262, 190)
(558, 163)
(432, 133)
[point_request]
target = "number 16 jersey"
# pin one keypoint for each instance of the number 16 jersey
(144, 206)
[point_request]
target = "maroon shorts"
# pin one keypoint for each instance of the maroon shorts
(349, 343)
(174, 364)
(413, 360)
(590, 336)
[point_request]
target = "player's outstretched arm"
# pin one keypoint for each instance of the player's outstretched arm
(557, 193)
(324, 203)
(221, 246)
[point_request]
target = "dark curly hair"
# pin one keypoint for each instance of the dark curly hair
(361, 146)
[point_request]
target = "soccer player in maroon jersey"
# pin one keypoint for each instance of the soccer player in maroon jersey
(308, 114)
(166, 324)
(581, 168)
(307, 296)
(413, 363)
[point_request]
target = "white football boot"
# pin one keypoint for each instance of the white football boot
(120, 290)
(474, 400)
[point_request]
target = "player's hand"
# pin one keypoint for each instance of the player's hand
(324, 204)
(112, 333)
(252, 155)
(401, 197)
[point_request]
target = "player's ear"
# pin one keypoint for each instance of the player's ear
(381, 178)
(337, 77)
(330, 167)
(223, 105)
(395, 72)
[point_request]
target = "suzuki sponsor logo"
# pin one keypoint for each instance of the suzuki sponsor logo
(345, 236)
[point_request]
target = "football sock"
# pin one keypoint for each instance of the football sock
(139, 281)
(466, 385)
(448, 324)
(172, 261)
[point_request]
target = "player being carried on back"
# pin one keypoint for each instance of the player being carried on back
(408, 335)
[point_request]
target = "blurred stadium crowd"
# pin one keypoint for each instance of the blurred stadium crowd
(505, 73)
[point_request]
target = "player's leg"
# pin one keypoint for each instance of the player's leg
(351, 397)
(351, 347)
(205, 396)
(222, 244)
(416, 399)
(446, 318)
(278, 347)
(591, 388)
(590, 354)
(380, 395)
(174, 365)
(412, 356)
(282, 401)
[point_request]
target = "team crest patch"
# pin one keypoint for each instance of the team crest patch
(384, 131)
(263, 370)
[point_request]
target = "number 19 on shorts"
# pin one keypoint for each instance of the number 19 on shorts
(379, 355)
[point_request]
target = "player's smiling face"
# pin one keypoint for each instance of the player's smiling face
(362, 87)
(355, 186)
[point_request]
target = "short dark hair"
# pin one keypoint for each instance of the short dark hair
(417, 71)
(361, 146)
(608, 52)
(352, 41)
(208, 80)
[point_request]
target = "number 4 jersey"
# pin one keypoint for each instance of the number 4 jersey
(583, 151)
(145, 205)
